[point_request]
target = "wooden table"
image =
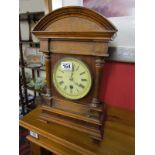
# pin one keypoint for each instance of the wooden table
(118, 136)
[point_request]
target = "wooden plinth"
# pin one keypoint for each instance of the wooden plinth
(118, 135)
(83, 123)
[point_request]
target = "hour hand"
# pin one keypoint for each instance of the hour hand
(75, 82)
(71, 77)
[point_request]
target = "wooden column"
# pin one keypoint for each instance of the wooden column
(48, 72)
(99, 65)
(48, 77)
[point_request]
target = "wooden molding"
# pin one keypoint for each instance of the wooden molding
(102, 36)
(101, 27)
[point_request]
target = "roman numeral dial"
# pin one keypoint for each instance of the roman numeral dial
(72, 78)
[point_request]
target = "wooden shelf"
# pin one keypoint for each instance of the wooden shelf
(33, 44)
(42, 68)
(26, 41)
(39, 91)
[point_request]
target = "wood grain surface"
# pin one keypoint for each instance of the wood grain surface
(118, 135)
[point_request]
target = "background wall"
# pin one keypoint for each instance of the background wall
(31, 5)
(118, 85)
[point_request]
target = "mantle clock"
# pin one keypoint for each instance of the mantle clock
(74, 41)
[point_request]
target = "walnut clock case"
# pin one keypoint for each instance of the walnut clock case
(75, 43)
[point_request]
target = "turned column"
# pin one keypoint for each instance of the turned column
(99, 62)
(48, 77)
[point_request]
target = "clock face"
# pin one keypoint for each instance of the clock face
(72, 78)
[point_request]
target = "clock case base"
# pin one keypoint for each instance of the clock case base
(90, 121)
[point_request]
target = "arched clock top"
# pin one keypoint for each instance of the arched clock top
(74, 21)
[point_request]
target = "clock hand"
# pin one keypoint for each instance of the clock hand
(71, 77)
(79, 85)
(75, 82)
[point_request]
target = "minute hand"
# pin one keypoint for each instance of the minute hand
(79, 85)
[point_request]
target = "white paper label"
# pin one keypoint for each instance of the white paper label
(34, 134)
(66, 66)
